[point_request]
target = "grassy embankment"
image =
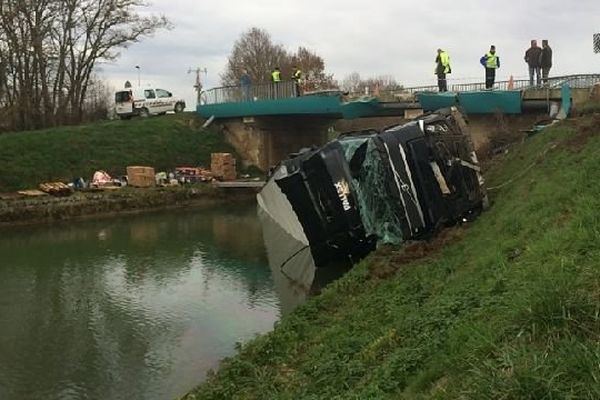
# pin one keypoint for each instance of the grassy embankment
(29, 158)
(506, 307)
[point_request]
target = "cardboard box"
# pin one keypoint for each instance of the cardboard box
(223, 167)
(138, 176)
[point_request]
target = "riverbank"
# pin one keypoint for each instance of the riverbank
(18, 210)
(62, 154)
(504, 307)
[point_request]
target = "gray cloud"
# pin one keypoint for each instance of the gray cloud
(398, 38)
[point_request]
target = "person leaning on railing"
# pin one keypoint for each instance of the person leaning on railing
(276, 79)
(296, 77)
(245, 82)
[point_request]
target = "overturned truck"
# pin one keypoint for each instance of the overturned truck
(370, 187)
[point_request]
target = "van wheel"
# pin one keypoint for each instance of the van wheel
(179, 107)
(144, 113)
(125, 117)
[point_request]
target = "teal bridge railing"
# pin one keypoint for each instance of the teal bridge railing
(287, 89)
(286, 98)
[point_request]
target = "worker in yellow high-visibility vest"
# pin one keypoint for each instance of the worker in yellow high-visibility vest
(276, 79)
(442, 68)
(491, 63)
(276, 75)
(296, 77)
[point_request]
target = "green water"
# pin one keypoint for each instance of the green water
(129, 307)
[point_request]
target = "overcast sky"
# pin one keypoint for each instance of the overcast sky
(384, 37)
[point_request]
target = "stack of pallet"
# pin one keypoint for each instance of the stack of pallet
(140, 176)
(56, 189)
(222, 166)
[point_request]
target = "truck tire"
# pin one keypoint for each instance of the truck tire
(144, 113)
(179, 108)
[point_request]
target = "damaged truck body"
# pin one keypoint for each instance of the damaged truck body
(370, 187)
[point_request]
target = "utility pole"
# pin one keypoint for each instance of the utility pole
(198, 84)
(596, 43)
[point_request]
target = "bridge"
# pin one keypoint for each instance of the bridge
(267, 122)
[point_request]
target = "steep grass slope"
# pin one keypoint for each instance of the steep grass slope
(28, 158)
(506, 307)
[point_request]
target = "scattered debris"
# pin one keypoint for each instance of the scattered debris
(193, 175)
(101, 178)
(56, 189)
(32, 193)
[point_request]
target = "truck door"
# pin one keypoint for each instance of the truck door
(164, 100)
(151, 101)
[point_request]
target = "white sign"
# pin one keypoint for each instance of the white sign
(343, 190)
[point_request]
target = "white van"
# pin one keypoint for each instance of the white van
(145, 102)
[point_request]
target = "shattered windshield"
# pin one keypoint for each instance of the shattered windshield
(371, 178)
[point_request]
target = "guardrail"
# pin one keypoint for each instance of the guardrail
(287, 89)
(252, 92)
(500, 85)
(580, 81)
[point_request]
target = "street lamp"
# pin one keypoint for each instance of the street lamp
(138, 70)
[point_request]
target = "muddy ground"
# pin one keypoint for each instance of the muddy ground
(17, 209)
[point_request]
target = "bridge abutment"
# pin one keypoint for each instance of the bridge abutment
(264, 141)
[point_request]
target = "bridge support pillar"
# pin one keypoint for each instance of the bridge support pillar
(264, 141)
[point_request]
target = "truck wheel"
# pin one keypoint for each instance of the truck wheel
(178, 108)
(125, 117)
(144, 113)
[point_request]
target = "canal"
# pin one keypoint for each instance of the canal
(136, 307)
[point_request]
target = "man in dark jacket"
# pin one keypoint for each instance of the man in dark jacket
(532, 58)
(545, 60)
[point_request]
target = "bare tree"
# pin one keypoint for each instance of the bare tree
(353, 83)
(256, 53)
(50, 49)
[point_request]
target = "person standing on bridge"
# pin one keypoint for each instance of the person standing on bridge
(276, 79)
(533, 57)
(442, 68)
(546, 61)
(245, 82)
(491, 62)
(296, 77)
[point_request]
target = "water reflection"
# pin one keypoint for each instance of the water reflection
(129, 308)
(294, 273)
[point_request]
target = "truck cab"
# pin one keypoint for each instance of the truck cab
(145, 102)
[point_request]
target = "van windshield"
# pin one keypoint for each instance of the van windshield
(122, 97)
